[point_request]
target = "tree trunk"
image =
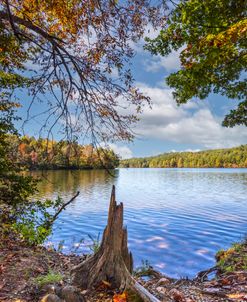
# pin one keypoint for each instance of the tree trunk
(113, 262)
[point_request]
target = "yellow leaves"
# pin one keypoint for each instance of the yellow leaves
(238, 296)
(226, 38)
(61, 18)
(215, 49)
(4, 106)
(120, 297)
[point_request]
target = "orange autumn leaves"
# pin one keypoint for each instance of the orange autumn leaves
(67, 20)
(75, 56)
(120, 297)
(63, 18)
(117, 297)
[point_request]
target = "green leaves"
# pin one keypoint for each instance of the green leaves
(30, 219)
(212, 37)
(237, 116)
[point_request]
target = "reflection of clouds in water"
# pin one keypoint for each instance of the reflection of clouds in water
(136, 241)
(154, 225)
(163, 245)
(160, 265)
(206, 233)
(164, 225)
(202, 252)
(154, 238)
(168, 225)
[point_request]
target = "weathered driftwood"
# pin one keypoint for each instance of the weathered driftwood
(202, 276)
(113, 262)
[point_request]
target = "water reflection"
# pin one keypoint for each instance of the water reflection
(66, 182)
(177, 218)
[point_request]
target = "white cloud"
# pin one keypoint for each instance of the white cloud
(186, 150)
(169, 63)
(123, 151)
(192, 150)
(167, 121)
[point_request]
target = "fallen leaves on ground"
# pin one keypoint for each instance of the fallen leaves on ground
(120, 297)
(238, 296)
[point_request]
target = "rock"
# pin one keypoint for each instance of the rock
(50, 289)
(163, 281)
(161, 290)
(84, 292)
(212, 290)
(51, 298)
(177, 295)
(71, 294)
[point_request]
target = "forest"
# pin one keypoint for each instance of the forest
(46, 154)
(219, 158)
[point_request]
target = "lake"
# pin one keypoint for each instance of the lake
(177, 218)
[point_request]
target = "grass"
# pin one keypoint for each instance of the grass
(49, 278)
(144, 269)
(233, 259)
(95, 245)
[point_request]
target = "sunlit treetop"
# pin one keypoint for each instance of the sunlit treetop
(211, 37)
(75, 54)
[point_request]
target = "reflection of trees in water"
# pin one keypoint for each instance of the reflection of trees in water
(64, 182)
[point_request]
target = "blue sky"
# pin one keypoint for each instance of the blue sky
(167, 127)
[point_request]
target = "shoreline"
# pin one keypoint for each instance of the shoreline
(23, 269)
(92, 169)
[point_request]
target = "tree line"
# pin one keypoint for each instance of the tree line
(220, 158)
(47, 154)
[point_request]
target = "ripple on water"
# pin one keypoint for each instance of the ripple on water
(177, 218)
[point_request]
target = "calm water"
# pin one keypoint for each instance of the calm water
(177, 218)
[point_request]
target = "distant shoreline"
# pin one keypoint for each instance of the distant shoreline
(218, 158)
(180, 168)
(102, 169)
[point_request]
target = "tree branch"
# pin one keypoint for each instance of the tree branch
(51, 221)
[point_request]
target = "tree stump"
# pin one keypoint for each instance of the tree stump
(113, 262)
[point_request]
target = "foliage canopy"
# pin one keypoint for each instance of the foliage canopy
(75, 55)
(211, 38)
